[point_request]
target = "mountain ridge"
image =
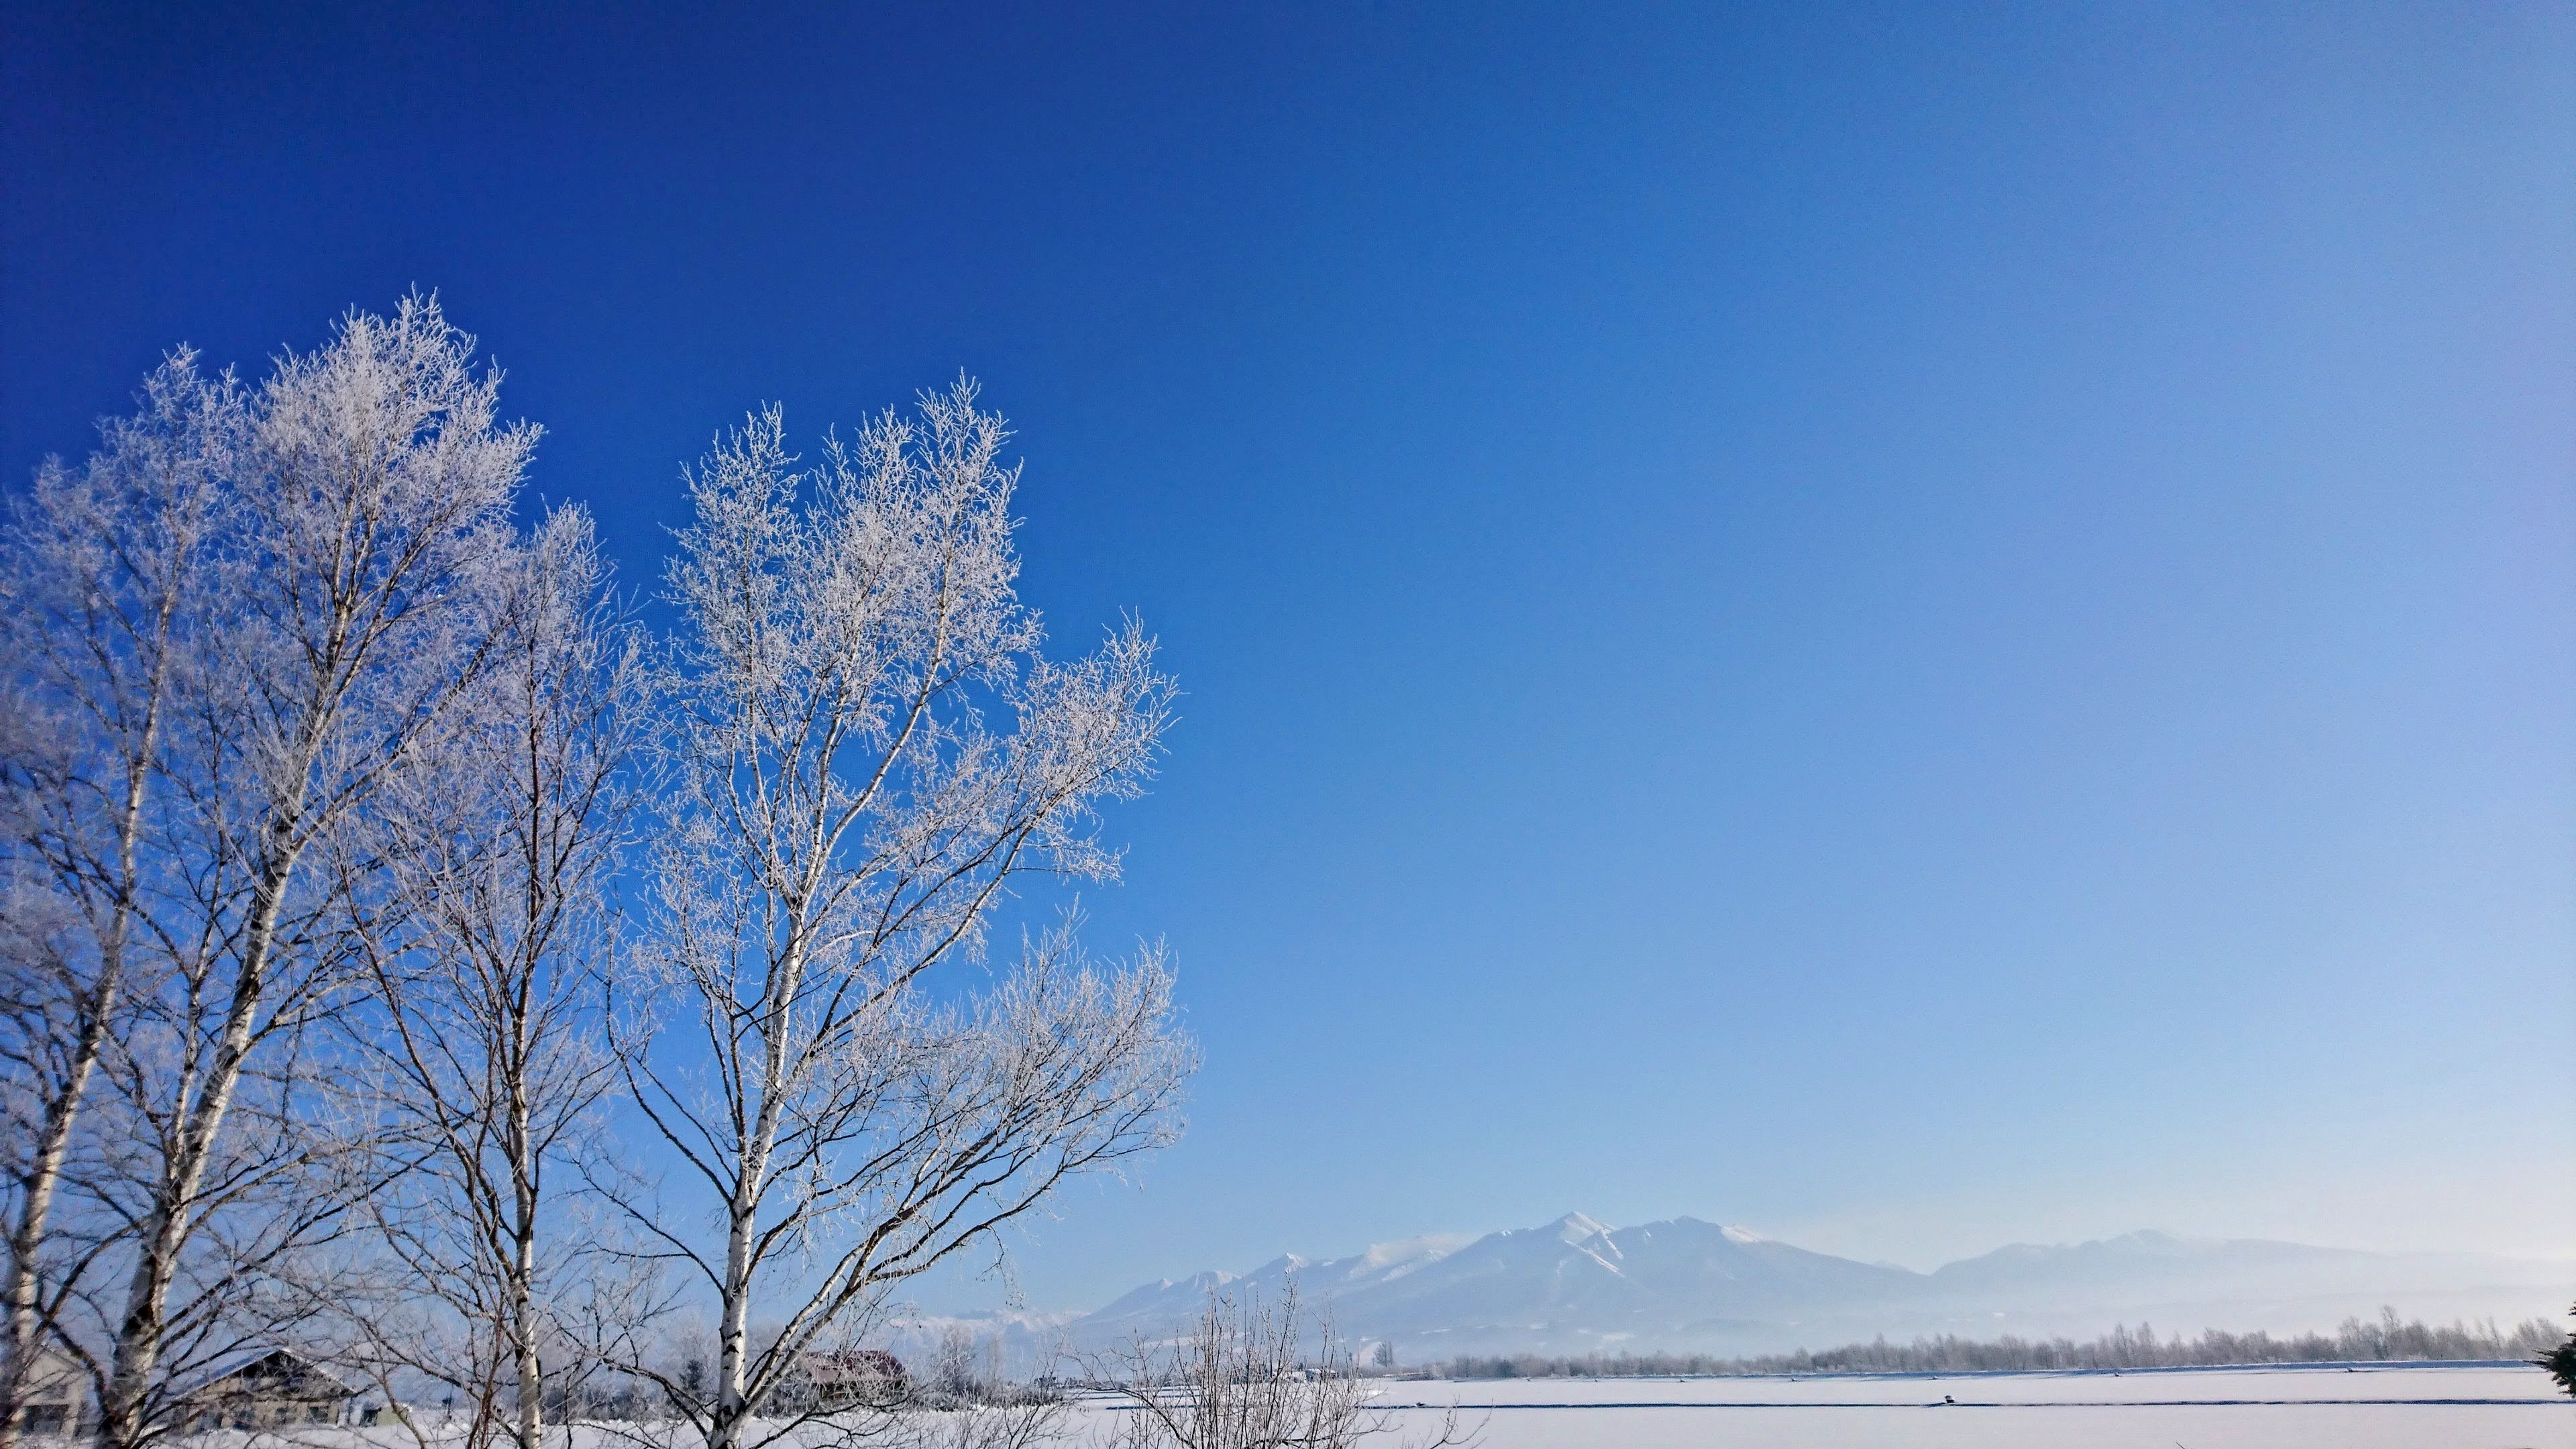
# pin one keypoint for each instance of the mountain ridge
(1578, 1285)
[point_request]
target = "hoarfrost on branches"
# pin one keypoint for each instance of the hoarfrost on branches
(319, 773)
(867, 749)
(339, 523)
(487, 929)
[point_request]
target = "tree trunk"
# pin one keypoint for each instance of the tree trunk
(523, 1275)
(27, 1235)
(167, 1228)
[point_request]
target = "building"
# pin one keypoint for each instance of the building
(851, 1377)
(55, 1392)
(263, 1388)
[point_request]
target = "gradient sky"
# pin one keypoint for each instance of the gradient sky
(1913, 627)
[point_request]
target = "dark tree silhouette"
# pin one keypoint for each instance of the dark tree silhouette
(2561, 1362)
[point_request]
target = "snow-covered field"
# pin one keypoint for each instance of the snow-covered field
(2412, 1407)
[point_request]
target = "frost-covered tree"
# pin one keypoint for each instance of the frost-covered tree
(342, 523)
(486, 933)
(867, 749)
(103, 573)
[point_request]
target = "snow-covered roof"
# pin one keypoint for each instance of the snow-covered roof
(240, 1359)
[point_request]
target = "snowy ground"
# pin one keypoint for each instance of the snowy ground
(2416, 1406)
(2412, 1407)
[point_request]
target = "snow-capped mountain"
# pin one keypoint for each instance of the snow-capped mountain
(1154, 1307)
(1576, 1285)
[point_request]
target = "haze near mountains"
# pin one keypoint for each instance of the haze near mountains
(1576, 1286)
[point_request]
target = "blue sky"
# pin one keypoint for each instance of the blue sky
(1912, 626)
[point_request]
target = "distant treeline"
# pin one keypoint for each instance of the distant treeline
(2388, 1339)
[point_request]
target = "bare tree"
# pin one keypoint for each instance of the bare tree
(344, 614)
(1245, 1377)
(1005, 1418)
(487, 944)
(867, 749)
(951, 1371)
(97, 632)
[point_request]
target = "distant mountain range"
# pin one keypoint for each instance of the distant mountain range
(1577, 1286)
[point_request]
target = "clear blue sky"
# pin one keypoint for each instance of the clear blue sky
(1910, 626)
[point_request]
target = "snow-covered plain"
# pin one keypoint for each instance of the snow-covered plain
(2378, 1406)
(2405, 1407)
